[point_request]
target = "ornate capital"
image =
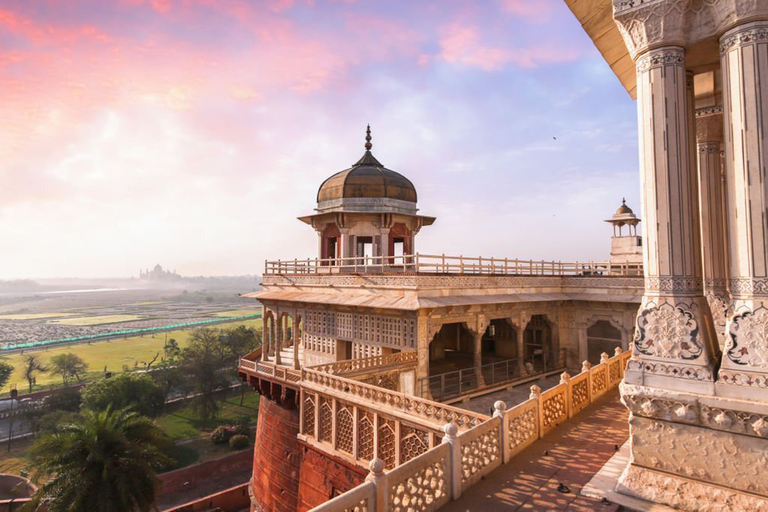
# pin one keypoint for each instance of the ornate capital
(646, 24)
(660, 57)
(744, 35)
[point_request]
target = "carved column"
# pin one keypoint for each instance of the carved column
(478, 331)
(709, 135)
(346, 244)
(424, 335)
(278, 336)
(744, 62)
(265, 334)
(675, 345)
(296, 340)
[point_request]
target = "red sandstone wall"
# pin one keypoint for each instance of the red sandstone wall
(229, 500)
(323, 477)
(190, 476)
(277, 458)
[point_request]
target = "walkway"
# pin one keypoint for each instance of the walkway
(571, 454)
(518, 394)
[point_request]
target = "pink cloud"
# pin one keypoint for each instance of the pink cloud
(461, 44)
(531, 10)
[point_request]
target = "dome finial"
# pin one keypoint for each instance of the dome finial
(623, 200)
(368, 144)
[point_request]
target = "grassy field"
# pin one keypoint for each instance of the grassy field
(182, 423)
(237, 312)
(96, 320)
(112, 354)
(35, 316)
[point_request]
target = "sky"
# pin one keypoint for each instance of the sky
(192, 133)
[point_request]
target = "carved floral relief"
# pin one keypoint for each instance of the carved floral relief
(668, 331)
(748, 338)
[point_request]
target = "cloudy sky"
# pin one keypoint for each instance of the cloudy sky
(193, 132)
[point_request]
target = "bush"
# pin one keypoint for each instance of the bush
(64, 400)
(222, 434)
(239, 442)
(53, 421)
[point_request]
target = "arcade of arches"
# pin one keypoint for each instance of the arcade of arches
(454, 346)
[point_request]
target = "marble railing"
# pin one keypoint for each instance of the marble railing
(368, 363)
(444, 472)
(393, 401)
(442, 264)
(251, 363)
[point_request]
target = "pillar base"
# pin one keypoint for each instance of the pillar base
(695, 451)
(685, 493)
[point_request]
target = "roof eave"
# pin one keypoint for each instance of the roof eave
(596, 18)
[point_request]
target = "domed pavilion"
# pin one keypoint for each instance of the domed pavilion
(368, 211)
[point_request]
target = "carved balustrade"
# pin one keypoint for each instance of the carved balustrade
(481, 451)
(442, 264)
(446, 470)
(251, 364)
(368, 363)
(359, 499)
(416, 409)
(359, 432)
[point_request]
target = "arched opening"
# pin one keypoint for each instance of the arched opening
(330, 246)
(451, 349)
(602, 336)
(450, 363)
(538, 345)
(499, 341)
(400, 242)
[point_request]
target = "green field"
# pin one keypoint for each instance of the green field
(112, 354)
(96, 320)
(237, 312)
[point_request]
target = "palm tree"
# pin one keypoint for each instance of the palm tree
(102, 462)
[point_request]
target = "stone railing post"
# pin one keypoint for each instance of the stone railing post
(566, 379)
(379, 479)
(499, 410)
(451, 437)
(585, 367)
(536, 394)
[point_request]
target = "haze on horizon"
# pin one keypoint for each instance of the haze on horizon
(193, 132)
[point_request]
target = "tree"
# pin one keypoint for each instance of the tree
(6, 369)
(101, 462)
(68, 365)
(202, 363)
(33, 365)
(168, 376)
(172, 349)
(128, 390)
(238, 341)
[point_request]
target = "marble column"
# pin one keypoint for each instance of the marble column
(265, 334)
(296, 341)
(709, 135)
(278, 337)
(744, 64)
(675, 345)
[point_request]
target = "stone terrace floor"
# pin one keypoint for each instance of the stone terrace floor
(518, 394)
(572, 453)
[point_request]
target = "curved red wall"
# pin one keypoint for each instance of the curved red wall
(276, 458)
